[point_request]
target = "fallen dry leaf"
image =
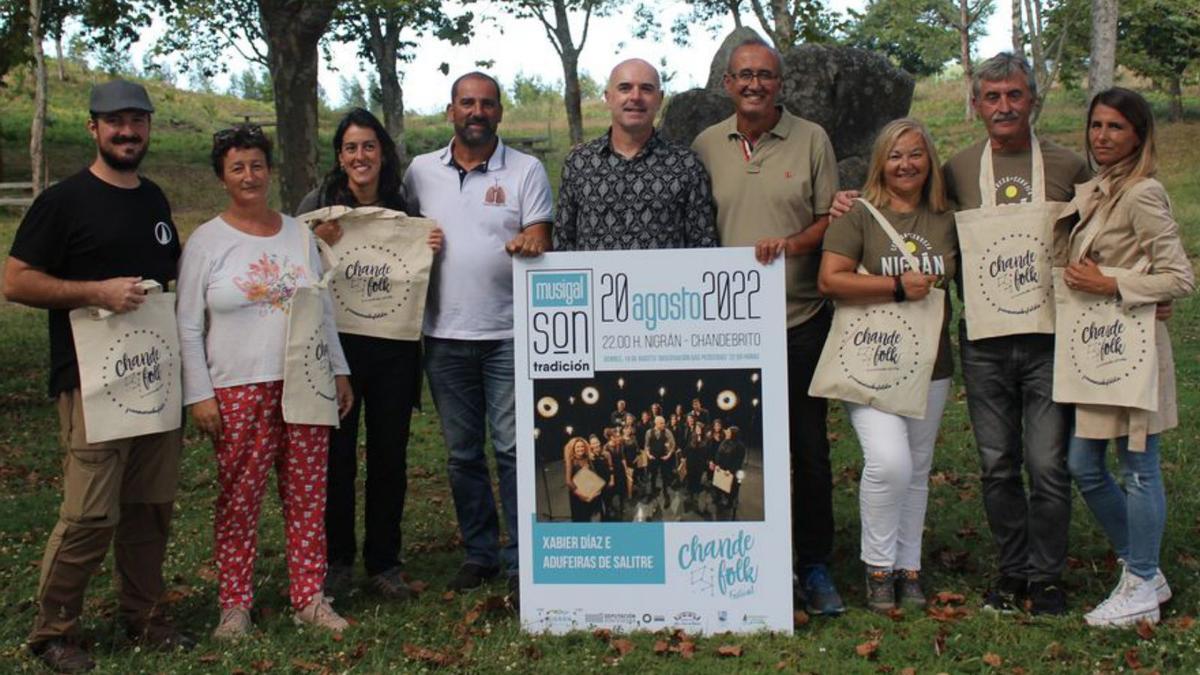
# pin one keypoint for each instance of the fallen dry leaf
(308, 666)
(263, 665)
(729, 650)
(781, 665)
(1054, 652)
(993, 659)
(532, 652)
(448, 596)
(661, 647)
(868, 649)
(800, 618)
(908, 671)
(209, 658)
(939, 644)
(1145, 630)
(426, 655)
(896, 614)
(602, 634)
(622, 646)
(418, 587)
(949, 597)
(1131, 658)
(1184, 622)
(687, 649)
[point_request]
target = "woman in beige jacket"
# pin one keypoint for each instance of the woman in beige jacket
(1126, 215)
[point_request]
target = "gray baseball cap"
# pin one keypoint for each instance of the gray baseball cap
(119, 95)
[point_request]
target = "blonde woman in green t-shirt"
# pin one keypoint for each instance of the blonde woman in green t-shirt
(904, 182)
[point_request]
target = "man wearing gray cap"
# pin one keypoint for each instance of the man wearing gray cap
(88, 241)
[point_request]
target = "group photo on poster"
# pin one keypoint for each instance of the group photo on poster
(630, 446)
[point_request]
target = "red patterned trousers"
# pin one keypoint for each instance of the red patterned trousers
(254, 438)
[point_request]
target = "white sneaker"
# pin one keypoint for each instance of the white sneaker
(1161, 588)
(319, 613)
(1133, 600)
(234, 624)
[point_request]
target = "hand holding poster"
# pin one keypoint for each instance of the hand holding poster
(631, 365)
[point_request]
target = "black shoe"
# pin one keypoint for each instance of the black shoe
(62, 656)
(1007, 595)
(514, 593)
(1047, 598)
(390, 584)
(471, 576)
(158, 633)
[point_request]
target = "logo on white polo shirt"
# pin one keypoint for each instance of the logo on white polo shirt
(162, 232)
(494, 196)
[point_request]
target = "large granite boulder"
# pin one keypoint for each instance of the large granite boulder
(850, 92)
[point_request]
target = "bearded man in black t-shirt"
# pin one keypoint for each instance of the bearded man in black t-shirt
(89, 241)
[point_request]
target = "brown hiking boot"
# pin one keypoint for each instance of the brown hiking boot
(63, 656)
(908, 589)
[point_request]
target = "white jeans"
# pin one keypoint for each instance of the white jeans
(894, 491)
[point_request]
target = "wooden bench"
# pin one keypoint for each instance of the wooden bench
(254, 118)
(25, 190)
(534, 145)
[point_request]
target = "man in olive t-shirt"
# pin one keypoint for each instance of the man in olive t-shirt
(773, 177)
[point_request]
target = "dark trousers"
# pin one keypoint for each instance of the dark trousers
(1017, 425)
(660, 469)
(385, 375)
(812, 477)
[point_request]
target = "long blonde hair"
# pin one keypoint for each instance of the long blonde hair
(875, 190)
(1142, 163)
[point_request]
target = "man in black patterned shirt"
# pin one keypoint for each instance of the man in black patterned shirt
(630, 188)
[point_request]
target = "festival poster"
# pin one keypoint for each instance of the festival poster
(652, 443)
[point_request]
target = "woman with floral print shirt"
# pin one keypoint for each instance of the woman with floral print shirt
(237, 277)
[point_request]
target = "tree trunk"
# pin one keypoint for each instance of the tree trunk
(571, 95)
(58, 54)
(1175, 110)
(1018, 33)
(1035, 38)
(384, 41)
(292, 31)
(37, 130)
(1102, 58)
(964, 44)
(736, 11)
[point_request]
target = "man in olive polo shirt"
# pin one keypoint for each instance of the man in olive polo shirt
(773, 178)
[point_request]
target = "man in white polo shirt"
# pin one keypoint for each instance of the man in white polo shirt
(492, 202)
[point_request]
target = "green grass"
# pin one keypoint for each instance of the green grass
(959, 555)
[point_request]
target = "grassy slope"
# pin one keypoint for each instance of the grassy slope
(958, 557)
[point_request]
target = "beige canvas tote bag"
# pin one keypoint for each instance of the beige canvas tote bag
(382, 273)
(309, 391)
(1104, 354)
(129, 367)
(1007, 256)
(882, 354)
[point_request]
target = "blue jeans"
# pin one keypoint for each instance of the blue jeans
(472, 385)
(1133, 518)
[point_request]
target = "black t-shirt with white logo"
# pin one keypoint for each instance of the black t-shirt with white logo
(84, 229)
